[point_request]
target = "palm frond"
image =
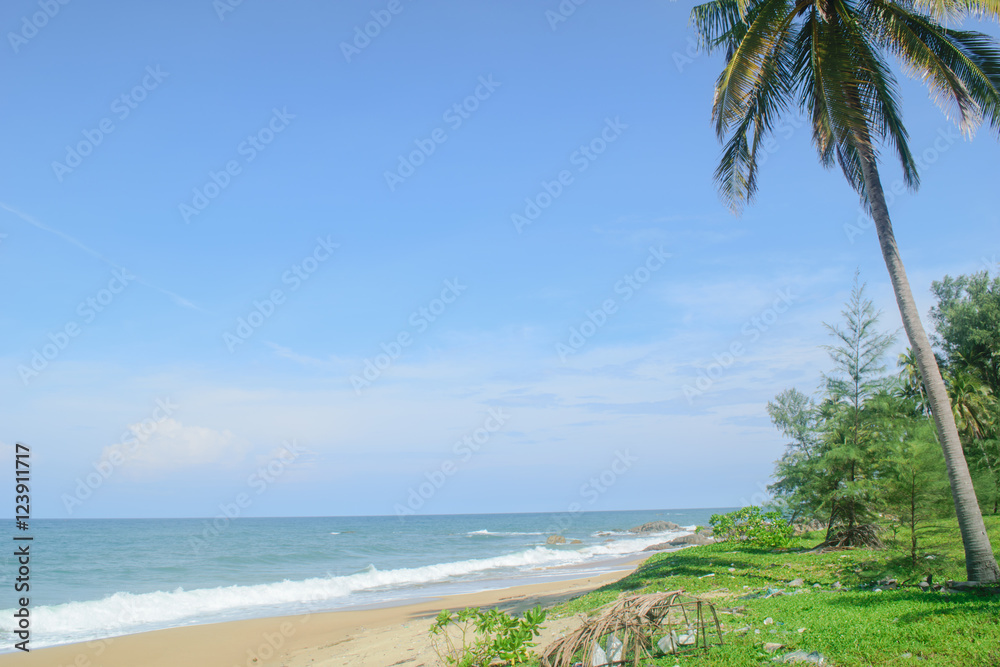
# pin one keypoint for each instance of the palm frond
(956, 9)
(962, 69)
(751, 62)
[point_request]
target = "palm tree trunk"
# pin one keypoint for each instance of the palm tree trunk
(980, 563)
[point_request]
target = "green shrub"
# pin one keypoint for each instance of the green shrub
(475, 638)
(757, 528)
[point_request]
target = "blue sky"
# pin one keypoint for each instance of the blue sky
(218, 220)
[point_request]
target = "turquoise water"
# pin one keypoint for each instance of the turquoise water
(106, 577)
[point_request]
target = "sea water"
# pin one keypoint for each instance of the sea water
(96, 578)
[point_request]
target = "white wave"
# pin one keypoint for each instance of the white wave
(124, 613)
(333, 532)
(500, 533)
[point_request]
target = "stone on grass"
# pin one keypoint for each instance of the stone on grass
(697, 539)
(800, 656)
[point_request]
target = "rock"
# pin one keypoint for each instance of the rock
(817, 585)
(577, 542)
(813, 658)
(837, 586)
(556, 539)
(707, 532)
(655, 527)
(796, 582)
(771, 647)
(696, 539)
(924, 585)
(768, 621)
(963, 585)
(887, 584)
(659, 547)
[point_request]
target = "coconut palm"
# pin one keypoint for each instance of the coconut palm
(912, 386)
(829, 58)
(971, 405)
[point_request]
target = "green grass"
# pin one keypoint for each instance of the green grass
(850, 626)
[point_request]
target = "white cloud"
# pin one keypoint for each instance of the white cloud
(171, 446)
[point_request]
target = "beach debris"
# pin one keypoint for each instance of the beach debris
(796, 582)
(598, 656)
(768, 621)
(655, 527)
(555, 539)
(766, 593)
(814, 658)
(771, 647)
(837, 585)
(710, 574)
(640, 626)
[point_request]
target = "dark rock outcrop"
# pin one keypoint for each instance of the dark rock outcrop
(654, 527)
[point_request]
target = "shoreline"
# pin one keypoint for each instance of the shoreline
(384, 635)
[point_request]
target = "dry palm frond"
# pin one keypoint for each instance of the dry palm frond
(636, 621)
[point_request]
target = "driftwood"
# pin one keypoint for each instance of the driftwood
(638, 622)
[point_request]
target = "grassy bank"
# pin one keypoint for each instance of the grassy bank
(850, 625)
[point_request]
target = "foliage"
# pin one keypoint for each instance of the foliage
(476, 638)
(752, 525)
(967, 319)
(915, 491)
(796, 489)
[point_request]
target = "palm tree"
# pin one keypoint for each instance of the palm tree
(971, 405)
(912, 387)
(829, 58)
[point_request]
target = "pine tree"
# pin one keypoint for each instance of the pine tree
(851, 451)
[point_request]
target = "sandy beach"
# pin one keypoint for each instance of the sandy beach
(378, 637)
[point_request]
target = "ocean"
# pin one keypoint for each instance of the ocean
(97, 578)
